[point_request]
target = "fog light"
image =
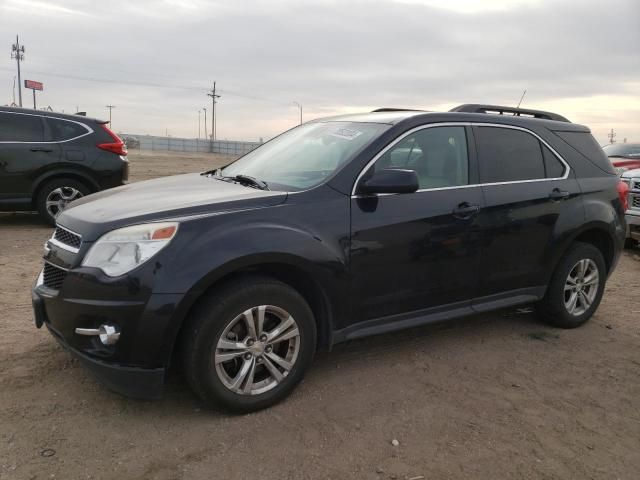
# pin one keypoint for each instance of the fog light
(108, 334)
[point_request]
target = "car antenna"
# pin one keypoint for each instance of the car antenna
(523, 94)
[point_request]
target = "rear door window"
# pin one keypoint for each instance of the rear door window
(17, 127)
(508, 155)
(62, 130)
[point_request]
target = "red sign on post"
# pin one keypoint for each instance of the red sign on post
(32, 84)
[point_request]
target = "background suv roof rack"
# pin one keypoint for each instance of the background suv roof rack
(518, 112)
(391, 109)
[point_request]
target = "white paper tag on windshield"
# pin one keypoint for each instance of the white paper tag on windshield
(346, 133)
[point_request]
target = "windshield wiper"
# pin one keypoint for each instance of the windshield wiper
(243, 179)
(251, 181)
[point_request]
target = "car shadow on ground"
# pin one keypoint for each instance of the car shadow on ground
(389, 348)
(21, 219)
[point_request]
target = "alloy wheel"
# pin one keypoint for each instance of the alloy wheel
(581, 287)
(58, 199)
(257, 350)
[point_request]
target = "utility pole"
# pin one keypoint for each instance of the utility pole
(300, 107)
(214, 98)
(612, 136)
(17, 52)
(14, 91)
(205, 121)
(110, 107)
(199, 114)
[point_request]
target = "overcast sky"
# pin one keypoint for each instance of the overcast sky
(155, 60)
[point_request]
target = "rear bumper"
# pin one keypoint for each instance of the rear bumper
(633, 224)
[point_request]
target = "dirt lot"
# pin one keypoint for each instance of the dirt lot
(489, 397)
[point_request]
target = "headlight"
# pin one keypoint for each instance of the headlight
(620, 170)
(122, 250)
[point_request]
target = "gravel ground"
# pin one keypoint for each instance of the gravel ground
(495, 396)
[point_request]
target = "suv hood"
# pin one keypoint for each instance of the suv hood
(161, 198)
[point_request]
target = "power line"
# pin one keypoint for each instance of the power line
(233, 93)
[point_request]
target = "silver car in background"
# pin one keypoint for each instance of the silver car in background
(632, 178)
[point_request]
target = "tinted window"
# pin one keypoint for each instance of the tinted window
(438, 155)
(584, 143)
(507, 155)
(553, 167)
(63, 130)
(15, 127)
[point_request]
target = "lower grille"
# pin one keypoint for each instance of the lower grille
(635, 201)
(53, 277)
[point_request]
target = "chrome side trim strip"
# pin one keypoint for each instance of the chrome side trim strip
(461, 124)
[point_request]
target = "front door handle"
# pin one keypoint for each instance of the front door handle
(557, 194)
(41, 149)
(465, 210)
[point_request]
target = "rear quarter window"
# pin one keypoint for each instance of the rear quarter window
(585, 144)
(17, 127)
(62, 130)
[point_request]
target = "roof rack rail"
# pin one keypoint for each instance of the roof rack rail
(392, 109)
(518, 112)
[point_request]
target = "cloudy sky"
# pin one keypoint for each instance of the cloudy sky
(155, 60)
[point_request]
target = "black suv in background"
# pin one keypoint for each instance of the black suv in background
(50, 159)
(339, 228)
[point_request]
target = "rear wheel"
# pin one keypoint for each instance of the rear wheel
(56, 194)
(576, 287)
(248, 346)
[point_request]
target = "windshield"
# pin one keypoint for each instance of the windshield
(622, 150)
(306, 155)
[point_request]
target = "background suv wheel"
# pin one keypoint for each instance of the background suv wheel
(56, 194)
(246, 347)
(576, 287)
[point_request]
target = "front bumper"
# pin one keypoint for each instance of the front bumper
(633, 224)
(134, 366)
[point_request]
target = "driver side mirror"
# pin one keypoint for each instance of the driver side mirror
(390, 180)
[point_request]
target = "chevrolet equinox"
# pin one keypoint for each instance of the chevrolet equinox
(339, 228)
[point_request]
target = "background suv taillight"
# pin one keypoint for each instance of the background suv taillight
(117, 146)
(623, 193)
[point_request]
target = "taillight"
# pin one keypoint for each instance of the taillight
(623, 193)
(117, 146)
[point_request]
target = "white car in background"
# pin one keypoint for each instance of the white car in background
(632, 178)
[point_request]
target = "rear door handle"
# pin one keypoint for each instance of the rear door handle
(557, 194)
(465, 210)
(42, 149)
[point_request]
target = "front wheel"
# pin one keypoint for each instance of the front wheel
(576, 287)
(248, 346)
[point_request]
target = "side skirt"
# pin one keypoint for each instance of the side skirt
(392, 323)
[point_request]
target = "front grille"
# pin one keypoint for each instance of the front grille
(53, 276)
(635, 201)
(635, 185)
(63, 235)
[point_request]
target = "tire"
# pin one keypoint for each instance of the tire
(555, 307)
(630, 243)
(221, 318)
(62, 191)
